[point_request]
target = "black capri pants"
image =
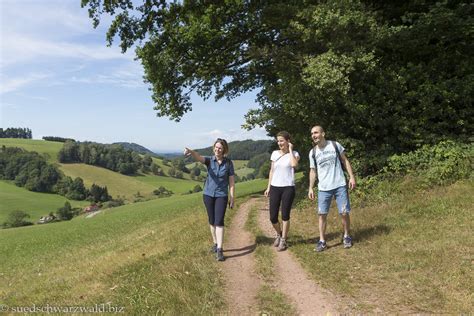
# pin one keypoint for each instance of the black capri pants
(283, 196)
(216, 207)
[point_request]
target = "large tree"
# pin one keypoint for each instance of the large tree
(385, 77)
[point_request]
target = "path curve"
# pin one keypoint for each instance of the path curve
(305, 295)
(242, 283)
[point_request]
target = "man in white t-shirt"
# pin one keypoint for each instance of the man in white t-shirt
(327, 161)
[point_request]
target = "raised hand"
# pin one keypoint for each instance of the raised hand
(187, 152)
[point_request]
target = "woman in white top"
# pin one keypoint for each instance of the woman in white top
(281, 186)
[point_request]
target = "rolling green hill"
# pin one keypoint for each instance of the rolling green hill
(117, 184)
(240, 167)
(50, 149)
(243, 150)
(35, 204)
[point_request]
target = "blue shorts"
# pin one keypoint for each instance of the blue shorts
(342, 200)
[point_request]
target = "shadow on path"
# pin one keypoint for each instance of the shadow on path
(240, 251)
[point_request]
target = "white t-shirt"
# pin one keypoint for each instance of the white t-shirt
(330, 174)
(283, 172)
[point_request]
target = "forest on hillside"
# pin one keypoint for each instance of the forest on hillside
(242, 150)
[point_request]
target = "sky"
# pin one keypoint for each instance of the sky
(59, 78)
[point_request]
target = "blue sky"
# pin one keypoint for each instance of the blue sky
(58, 77)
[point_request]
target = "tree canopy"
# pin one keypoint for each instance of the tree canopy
(384, 76)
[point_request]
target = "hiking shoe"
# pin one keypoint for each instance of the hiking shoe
(214, 248)
(282, 246)
(276, 243)
(220, 255)
(320, 246)
(347, 242)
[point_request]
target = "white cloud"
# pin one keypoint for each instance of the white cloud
(32, 30)
(17, 48)
(13, 84)
(128, 76)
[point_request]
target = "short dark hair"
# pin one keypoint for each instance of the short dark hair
(320, 127)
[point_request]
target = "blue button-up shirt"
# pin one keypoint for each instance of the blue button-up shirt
(217, 181)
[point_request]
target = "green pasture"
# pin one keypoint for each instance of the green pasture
(126, 186)
(243, 172)
(49, 148)
(178, 186)
(35, 204)
(150, 257)
(117, 184)
(166, 168)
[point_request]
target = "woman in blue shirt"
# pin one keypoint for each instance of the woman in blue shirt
(219, 190)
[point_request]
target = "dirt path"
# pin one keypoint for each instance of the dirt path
(307, 297)
(242, 283)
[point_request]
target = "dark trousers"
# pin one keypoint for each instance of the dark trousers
(283, 196)
(216, 207)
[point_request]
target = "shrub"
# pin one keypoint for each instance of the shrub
(17, 219)
(162, 192)
(66, 212)
(441, 164)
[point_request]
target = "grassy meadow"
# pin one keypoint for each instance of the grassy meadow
(136, 256)
(126, 186)
(35, 204)
(47, 148)
(413, 253)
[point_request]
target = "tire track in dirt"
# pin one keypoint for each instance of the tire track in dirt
(241, 280)
(291, 279)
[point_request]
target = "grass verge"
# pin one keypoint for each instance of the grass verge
(416, 245)
(270, 300)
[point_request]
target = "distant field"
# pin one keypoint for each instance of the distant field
(40, 146)
(165, 168)
(240, 167)
(149, 257)
(240, 164)
(128, 186)
(244, 171)
(35, 204)
(117, 184)
(178, 186)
